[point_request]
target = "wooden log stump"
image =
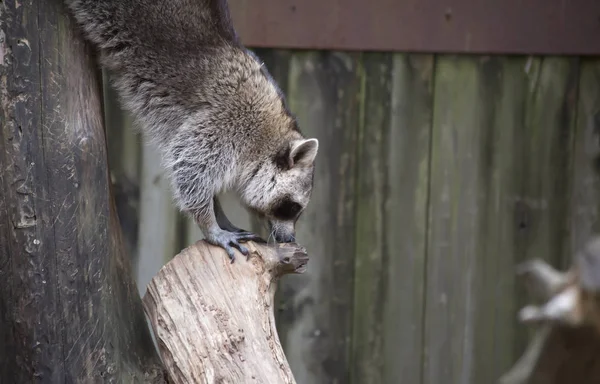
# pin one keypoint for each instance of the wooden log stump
(214, 320)
(566, 346)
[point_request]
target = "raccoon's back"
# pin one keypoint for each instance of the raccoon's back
(167, 26)
(159, 50)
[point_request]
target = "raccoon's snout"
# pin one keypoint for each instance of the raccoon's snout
(285, 238)
(283, 232)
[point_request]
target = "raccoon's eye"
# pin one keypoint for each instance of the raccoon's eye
(287, 210)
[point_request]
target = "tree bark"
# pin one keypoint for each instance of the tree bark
(566, 346)
(214, 320)
(69, 307)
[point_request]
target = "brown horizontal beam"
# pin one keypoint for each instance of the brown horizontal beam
(563, 27)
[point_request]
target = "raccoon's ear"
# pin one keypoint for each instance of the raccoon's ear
(303, 152)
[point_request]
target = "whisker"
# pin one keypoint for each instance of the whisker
(272, 234)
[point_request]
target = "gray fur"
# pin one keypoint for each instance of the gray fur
(209, 105)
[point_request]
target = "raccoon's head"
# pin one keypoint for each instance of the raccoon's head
(280, 188)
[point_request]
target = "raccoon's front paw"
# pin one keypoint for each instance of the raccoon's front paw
(229, 240)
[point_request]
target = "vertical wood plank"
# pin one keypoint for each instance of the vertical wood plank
(391, 218)
(124, 158)
(406, 202)
(451, 246)
(367, 337)
(124, 142)
(550, 127)
(504, 92)
(159, 225)
(585, 197)
(500, 163)
(315, 327)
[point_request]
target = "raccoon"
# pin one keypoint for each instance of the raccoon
(210, 106)
(570, 298)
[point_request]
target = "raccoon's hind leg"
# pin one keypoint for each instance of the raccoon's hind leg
(214, 234)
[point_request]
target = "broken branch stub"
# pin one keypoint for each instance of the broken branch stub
(566, 347)
(214, 320)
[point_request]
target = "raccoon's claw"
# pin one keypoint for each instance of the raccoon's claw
(229, 240)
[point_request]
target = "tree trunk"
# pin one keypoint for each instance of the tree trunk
(214, 320)
(69, 308)
(566, 347)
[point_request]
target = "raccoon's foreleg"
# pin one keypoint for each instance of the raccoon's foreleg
(214, 234)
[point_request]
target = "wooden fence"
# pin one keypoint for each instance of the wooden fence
(436, 175)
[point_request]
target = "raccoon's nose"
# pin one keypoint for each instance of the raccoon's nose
(285, 237)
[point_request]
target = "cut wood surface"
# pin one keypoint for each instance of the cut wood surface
(566, 347)
(214, 320)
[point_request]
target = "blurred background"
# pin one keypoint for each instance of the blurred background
(456, 138)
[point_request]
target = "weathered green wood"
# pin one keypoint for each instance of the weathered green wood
(455, 199)
(585, 198)
(505, 84)
(406, 201)
(315, 326)
(391, 218)
(371, 259)
(69, 310)
(503, 88)
(160, 221)
(124, 158)
(499, 194)
(550, 127)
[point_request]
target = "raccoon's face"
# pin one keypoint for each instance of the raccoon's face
(282, 189)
